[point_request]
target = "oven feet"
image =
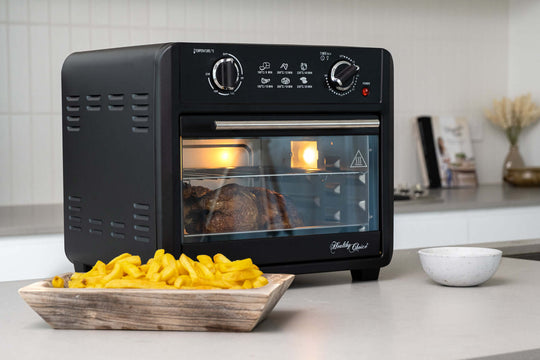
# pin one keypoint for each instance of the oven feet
(80, 267)
(369, 274)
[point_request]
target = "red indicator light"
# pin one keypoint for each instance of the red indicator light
(365, 91)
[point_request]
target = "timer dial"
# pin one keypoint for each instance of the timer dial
(342, 75)
(226, 74)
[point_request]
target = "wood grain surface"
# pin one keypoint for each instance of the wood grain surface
(155, 309)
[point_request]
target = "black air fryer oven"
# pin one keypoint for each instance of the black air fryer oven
(279, 153)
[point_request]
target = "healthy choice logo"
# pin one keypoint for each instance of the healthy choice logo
(347, 246)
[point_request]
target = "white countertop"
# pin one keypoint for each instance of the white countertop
(404, 315)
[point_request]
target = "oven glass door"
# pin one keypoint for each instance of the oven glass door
(261, 187)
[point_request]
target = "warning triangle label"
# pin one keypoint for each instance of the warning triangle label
(358, 161)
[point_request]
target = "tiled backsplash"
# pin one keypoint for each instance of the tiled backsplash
(450, 58)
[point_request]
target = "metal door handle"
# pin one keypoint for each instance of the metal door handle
(296, 124)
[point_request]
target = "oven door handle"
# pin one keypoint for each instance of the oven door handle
(296, 124)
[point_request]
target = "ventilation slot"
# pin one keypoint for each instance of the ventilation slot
(118, 235)
(116, 97)
(93, 108)
(73, 118)
(74, 228)
(93, 97)
(140, 129)
(140, 217)
(141, 238)
(95, 221)
(139, 119)
(74, 208)
(74, 218)
(118, 224)
(74, 198)
(142, 228)
(139, 97)
(73, 128)
(141, 206)
(141, 107)
(95, 232)
(116, 107)
(73, 108)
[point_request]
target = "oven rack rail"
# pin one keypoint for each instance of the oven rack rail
(329, 229)
(258, 172)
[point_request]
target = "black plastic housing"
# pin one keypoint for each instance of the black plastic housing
(125, 111)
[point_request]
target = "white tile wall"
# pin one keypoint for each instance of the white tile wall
(99, 12)
(450, 58)
(4, 83)
(39, 11)
(42, 176)
(59, 11)
(18, 10)
(5, 159)
(19, 69)
(40, 70)
(80, 12)
(22, 152)
(3, 10)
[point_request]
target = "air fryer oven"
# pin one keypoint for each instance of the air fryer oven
(279, 153)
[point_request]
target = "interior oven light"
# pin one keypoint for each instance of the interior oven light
(206, 154)
(304, 155)
(226, 158)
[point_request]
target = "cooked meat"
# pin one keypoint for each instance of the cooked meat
(193, 213)
(291, 215)
(275, 212)
(194, 191)
(234, 208)
(229, 208)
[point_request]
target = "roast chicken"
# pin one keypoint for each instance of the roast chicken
(234, 208)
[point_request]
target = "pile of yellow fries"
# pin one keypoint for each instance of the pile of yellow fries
(163, 271)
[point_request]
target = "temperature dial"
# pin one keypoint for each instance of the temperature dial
(342, 75)
(226, 74)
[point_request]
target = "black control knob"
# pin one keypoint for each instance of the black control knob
(342, 75)
(226, 74)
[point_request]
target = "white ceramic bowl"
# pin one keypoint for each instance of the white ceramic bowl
(460, 266)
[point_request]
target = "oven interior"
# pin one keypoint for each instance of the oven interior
(272, 186)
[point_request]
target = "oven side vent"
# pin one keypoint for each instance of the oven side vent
(117, 231)
(141, 217)
(116, 102)
(139, 106)
(73, 110)
(140, 113)
(109, 151)
(73, 209)
(96, 228)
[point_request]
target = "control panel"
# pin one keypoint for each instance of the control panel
(240, 73)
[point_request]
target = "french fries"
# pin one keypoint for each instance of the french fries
(163, 271)
(58, 282)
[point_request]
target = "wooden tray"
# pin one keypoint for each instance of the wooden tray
(155, 309)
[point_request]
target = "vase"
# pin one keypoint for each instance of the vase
(513, 160)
